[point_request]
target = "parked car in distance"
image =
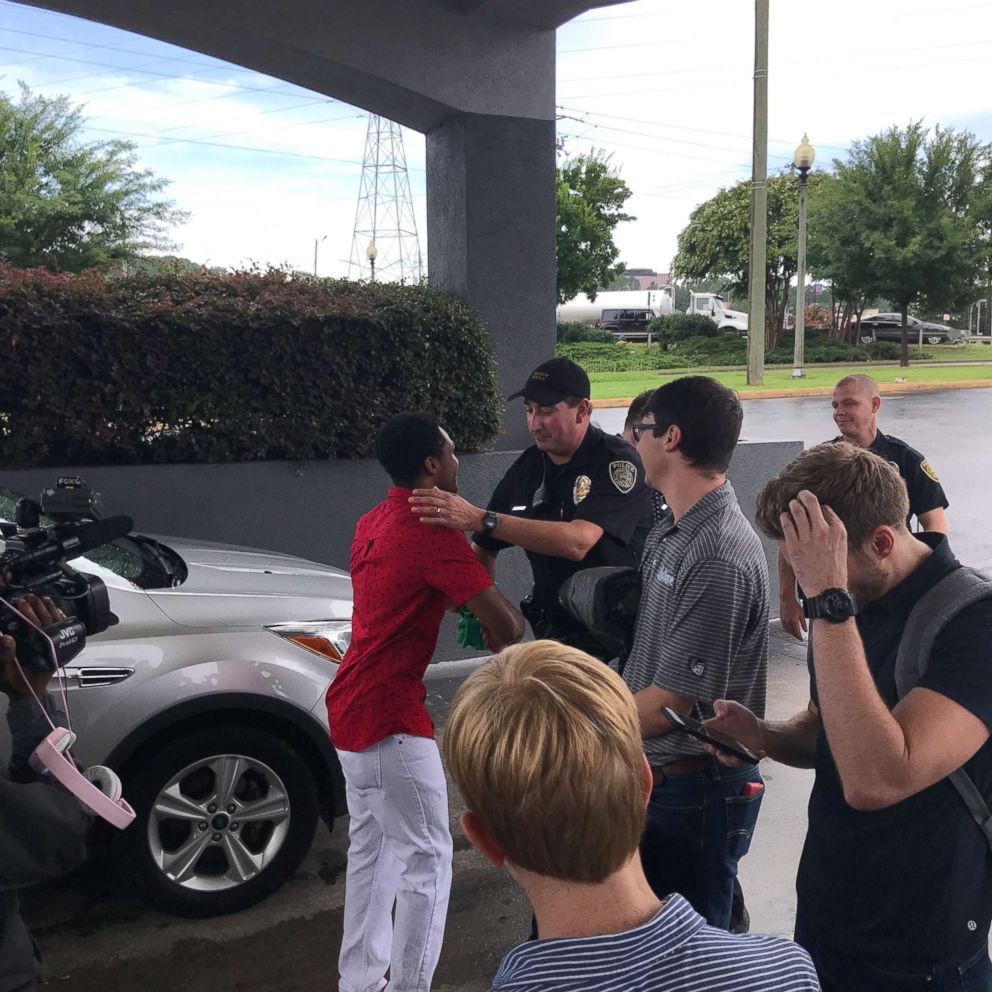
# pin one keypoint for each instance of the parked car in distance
(628, 323)
(888, 327)
(207, 698)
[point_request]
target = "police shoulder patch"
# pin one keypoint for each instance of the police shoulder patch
(928, 470)
(580, 490)
(623, 475)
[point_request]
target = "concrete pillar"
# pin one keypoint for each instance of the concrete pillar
(491, 237)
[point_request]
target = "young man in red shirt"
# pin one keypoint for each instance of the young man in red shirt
(405, 574)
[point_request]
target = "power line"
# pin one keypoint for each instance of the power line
(127, 51)
(688, 89)
(240, 148)
(680, 127)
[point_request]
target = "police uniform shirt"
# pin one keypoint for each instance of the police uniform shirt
(602, 483)
(922, 484)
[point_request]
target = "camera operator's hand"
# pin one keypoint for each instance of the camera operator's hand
(39, 610)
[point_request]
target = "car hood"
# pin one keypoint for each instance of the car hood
(229, 585)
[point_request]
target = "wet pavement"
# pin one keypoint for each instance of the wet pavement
(96, 935)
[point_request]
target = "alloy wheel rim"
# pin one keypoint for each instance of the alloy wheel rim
(219, 822)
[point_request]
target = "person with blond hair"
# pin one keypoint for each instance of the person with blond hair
(856, 402)
(544, 743)
(895, 880)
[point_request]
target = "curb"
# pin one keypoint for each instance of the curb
(894, 388)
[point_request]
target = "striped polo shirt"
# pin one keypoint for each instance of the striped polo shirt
(675, 951)
(702, 624)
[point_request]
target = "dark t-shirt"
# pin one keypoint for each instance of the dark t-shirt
(602, 483)
(922, 484)
(912, 882)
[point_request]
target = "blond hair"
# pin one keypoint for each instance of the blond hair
(865, 490)
(545, 745)
(865, 384)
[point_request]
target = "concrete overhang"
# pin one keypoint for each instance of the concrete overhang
(414, 61)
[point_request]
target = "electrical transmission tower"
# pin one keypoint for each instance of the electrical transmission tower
(385, 217)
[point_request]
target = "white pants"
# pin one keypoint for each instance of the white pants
(399, 851)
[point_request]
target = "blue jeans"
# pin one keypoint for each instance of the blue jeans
(699, 825)
(840, 972)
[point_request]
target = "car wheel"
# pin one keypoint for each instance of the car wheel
(935, 339)
(867, 338)
(224, 817)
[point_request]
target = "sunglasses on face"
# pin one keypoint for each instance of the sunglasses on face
(639, 430)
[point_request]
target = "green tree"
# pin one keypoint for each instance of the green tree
(715, 244)
(838, 251)
(623, 281)
(590, 197)
(908, 204)
(67, 204)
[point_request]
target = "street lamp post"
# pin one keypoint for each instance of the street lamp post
(316, 242)
(803, 160)
(371, 252)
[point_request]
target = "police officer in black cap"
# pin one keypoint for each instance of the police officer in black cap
(576, 499)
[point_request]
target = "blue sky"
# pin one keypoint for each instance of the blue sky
(265, 168)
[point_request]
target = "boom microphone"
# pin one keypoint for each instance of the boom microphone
(70, 543)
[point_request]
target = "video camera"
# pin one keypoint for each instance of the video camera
(35, 559)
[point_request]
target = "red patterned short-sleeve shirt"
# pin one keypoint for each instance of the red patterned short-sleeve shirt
(404, 574)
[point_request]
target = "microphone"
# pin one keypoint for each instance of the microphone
(103, 531)
(83, 538)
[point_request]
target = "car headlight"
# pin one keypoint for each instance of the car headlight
(328, 638)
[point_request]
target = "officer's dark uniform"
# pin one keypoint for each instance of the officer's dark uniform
(922, 484)
(602, 483)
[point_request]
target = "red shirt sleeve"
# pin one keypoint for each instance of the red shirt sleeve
(450, 566)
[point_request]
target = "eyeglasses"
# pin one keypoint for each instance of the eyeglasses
(639, 430)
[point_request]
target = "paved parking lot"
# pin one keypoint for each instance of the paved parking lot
(97, 936)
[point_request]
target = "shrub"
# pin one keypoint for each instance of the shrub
(681, 326)
(617, 357)
(193, 367)
(572, 331)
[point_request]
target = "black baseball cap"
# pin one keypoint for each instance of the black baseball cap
(554, 381)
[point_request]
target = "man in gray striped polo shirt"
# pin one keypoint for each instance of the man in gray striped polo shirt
(701, 635)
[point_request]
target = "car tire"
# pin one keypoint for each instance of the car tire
(935, 339)
(217, 864)
(867, 338)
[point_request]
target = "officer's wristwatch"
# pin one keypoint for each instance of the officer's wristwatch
(489, 522)
(833, 605)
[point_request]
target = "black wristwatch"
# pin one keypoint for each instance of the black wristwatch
(833, 605)
(489, 522)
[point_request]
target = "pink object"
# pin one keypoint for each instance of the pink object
(50, 756)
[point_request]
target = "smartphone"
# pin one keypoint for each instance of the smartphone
(690, 725)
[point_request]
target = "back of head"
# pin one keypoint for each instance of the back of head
(708, 415)
(544, 743)
(635, 412)
(863, 489)
(404, 442)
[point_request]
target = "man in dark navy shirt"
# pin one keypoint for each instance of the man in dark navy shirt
(574, 500)
(856, 402)
(895, 881)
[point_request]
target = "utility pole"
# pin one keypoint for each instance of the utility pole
(759, 201)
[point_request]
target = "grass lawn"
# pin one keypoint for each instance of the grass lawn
(606, 385)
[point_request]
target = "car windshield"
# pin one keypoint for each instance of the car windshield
(147, 563)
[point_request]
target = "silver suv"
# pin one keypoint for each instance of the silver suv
(208, 700)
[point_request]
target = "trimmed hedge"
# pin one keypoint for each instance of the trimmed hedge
(682, 326)
(573, 331)
(199, 367)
